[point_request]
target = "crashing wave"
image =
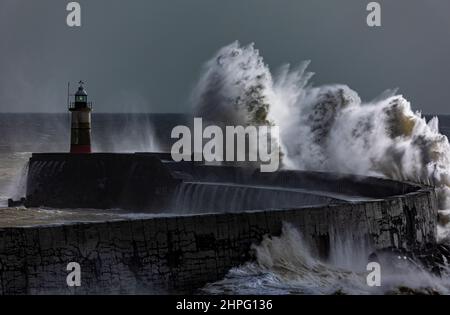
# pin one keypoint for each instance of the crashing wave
(285, 265)
(235, 87)
(326, 128)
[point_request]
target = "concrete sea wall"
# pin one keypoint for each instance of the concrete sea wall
(179, 254)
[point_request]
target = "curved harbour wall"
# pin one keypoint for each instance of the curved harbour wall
(178, 254)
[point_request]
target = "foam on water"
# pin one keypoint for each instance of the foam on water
(285, 265)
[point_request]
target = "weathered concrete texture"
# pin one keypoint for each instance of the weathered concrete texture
(180, 254)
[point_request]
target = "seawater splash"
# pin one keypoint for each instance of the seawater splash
(14, 170)
(18, 188)
(326, 128)
(211, 197)
(286, 265)
(124, 133)
(236, 87)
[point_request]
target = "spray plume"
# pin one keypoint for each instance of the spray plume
(325, 128)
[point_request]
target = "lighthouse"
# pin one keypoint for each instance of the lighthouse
(80, 138)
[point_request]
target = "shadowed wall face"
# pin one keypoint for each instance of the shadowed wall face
(101, 181)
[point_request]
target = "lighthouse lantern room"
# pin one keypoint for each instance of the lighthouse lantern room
(80, 139)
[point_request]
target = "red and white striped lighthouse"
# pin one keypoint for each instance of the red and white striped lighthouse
(80, 138)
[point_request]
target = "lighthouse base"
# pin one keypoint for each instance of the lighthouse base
(80, 148)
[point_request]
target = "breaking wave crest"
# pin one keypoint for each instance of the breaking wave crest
(326, 128)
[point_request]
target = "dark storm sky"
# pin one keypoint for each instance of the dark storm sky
(142, 55)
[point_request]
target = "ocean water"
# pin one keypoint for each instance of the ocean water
(283, 265)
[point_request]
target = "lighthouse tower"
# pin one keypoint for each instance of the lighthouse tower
(80, 139)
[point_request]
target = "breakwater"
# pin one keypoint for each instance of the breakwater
(180, 253)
